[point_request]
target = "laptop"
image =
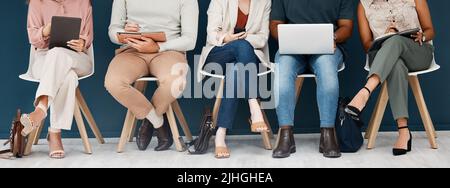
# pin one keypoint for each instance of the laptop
(305, 39)
(63, 30)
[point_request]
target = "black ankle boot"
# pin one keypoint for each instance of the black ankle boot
(286, 144)
(329, 145)
(164, 135)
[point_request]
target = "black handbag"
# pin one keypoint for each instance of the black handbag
(348, 129)
(207, 129)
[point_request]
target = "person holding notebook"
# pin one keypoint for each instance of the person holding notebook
(340, 13)
(57, 69)
(139, 57)
(397, 56)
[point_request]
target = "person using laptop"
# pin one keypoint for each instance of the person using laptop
(340, 13)
(57, 69)
(238, 31)
(397, 56)
(140, 57)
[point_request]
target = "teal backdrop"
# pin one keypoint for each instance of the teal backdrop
(110, 115)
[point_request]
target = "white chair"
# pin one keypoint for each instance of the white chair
(383, 97)
(266, 136)
(81, 108)
(129, 127)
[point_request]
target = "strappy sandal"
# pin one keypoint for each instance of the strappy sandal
(259, 127)
(57, 154)
(30, 125)
(355, 112)
(222, 153)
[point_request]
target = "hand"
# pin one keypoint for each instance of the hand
(77, 45)
(145, 45)
(418, 37)
(232, 37)
(47, 30)
(392, 28)
(132, 27)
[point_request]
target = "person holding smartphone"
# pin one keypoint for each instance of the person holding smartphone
(397, 57)
(143, 56)
(238, 31)
(57, 69)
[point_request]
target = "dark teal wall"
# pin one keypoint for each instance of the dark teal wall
(110, 115)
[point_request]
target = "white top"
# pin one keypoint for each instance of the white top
(178, 19)
(380, 14)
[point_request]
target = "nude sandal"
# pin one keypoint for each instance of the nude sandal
(57, 154)
(28, 124)
(224, 151)
(259, 127)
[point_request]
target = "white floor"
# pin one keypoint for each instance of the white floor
(246, 151)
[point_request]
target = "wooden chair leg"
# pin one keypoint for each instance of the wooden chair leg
(180, 116)
(142, 87)
(267, 136)
(377, 116)
(38, 134)
(425, 114)
(218, 101)
(299, 87)
(88, 115)
(82, 129)
(277, 141)
(178, 140)
(271, 136)
(126, 131)
(129, 124)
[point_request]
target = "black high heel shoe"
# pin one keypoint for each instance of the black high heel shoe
(397, 151)
(355, 112)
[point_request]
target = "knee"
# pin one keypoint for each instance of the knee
(394, 41)
(243, 47)
(57, 51)
(114, 83)
(329, 83)
(175, 85)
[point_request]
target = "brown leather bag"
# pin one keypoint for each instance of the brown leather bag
(16, 141)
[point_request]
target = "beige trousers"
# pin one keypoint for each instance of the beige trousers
(170, 68)
(58, 70)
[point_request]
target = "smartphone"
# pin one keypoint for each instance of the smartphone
(239, 30)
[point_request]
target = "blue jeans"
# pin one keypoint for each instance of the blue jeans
(237, 52)
(325, 67)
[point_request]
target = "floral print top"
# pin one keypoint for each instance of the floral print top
(381, 13)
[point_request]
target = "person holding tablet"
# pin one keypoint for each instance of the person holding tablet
(339, 13)
(238, 31)
(147, 55)
(397, 56)
(57, 69)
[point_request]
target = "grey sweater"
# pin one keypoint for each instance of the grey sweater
(178, 19)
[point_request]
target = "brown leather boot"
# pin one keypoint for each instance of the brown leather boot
(329, 145)
(164, 135)
(286, 144)
(145, 134)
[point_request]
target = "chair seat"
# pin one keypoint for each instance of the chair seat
(310, 75)
(434, 67)
(28, 77)
(205, 73)
(148, 79)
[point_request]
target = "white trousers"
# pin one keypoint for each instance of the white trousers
(58, 70)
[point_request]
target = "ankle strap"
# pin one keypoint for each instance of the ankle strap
(368, 90)
(405, 127)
